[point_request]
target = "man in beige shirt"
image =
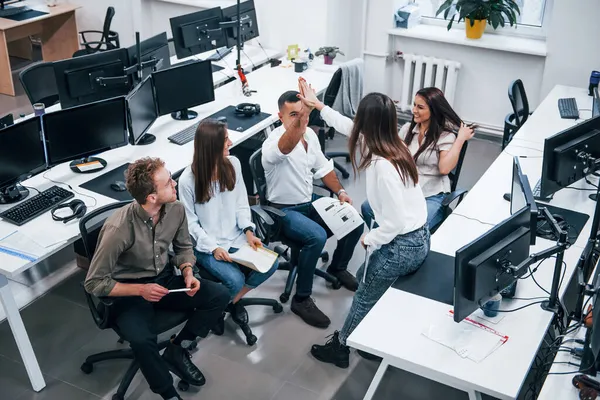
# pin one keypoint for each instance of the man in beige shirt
(131, 264)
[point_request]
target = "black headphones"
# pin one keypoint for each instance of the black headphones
(247, 109)
(77, 206)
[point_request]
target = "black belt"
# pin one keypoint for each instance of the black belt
(280, 206)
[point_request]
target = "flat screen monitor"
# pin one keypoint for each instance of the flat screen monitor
(249, 29)
(154, 49)
(21, 156)
(183, 86)
(82, 80)
(198, 32)
(522, 196)
(80, 132)
(142, 112)
(595, 103)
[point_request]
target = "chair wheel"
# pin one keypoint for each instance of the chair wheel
(277, 308)
(117, 396)
(336, 284)
(325, 257)
(183, 386)
(87, 368)
(251, 340)
(284, 298)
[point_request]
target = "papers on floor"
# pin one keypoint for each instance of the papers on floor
(261, 259)
(18, 245)
(469, 339)
(341, 218)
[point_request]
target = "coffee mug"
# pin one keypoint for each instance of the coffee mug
(300, 66)
(490, 309)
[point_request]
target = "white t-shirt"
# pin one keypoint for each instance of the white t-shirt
(290, 176)
(431, 180)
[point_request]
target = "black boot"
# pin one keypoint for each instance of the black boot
(180, 363)
(238, 313)
(219, 327)
(332, 352)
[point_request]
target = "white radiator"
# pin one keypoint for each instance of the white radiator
(422, 71)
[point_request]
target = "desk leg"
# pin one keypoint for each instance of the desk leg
(20, 335)
(376, 380)
(474, 395)
(6, 80)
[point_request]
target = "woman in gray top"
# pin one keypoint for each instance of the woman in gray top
(432, 140)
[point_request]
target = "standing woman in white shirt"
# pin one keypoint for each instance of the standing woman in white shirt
(216, 205)
(435, 147)
(401, 242)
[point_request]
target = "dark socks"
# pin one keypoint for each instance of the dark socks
(184, 335)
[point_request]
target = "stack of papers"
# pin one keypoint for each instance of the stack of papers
(469, 339)
(18, 245)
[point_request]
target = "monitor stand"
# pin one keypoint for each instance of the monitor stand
(184, 115)
(13, 193)
(146, 139)
(594, 196)
(87, 165)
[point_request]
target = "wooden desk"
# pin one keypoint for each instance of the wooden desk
(57, 30)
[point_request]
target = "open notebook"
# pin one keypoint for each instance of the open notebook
(261, 259)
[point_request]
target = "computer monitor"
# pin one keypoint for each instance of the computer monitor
(142, 112)
(80, 132)
(595, 103)
(567, 156)
(480, 270)
(92, 77)
(249, 29)
(522, 196)
(590, 361)
(198, 32)
(21, 156)
(183, 86)
(154, 49)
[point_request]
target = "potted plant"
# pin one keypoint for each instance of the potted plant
(475, 13)
(328, 53)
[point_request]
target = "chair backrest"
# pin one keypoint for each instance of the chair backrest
(39, 83)
(455, 173)
(258, 175)
(110, 13)
(518, 100)
(333, 88)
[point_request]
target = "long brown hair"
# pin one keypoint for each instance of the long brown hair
(209, 144)
(443, 118)
(377, 123)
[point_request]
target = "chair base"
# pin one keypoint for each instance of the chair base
(251, 339)
(288, 266)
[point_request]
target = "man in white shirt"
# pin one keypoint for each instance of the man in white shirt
(292, 158)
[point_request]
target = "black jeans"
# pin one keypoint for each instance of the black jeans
(134, 316)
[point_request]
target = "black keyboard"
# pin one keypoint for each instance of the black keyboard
(36, 205)
(184, 136)
(9, 12)
(537, 192)
(568, 108)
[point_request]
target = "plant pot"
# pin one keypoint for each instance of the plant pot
(475, 31)
(328, 60)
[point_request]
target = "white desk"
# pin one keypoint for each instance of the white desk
(270, 84)
(405, 316)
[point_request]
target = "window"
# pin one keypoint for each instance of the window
(532, 11)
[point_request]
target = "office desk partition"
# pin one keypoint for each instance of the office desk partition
(393, 328)
(57, 30)
(270, 83)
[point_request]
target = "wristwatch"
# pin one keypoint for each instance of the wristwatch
(341, 191)
(249, 228)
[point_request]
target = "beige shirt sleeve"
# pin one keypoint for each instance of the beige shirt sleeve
(446, 141)
(111, 243)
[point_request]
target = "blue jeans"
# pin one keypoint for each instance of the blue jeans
(303, 224)
(402, 256)
(435, 212)
(233, 276)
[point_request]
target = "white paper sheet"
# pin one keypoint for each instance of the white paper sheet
(341, 218)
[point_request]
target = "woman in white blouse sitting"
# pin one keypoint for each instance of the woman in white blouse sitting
(401, 242)
(435, 148)
(213, 192)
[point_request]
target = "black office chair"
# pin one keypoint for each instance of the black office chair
(520, 106)
(456, 195)
(109, 39)
(39, 83)
(90, 226)
(326, 132)
(272, 233)
(259, 216)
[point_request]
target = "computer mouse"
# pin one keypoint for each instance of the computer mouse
(222, 119)
(118, 186)
(506, 196)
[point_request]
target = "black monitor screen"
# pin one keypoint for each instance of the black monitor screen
(198, 32)
(21, 151)
(181, 87)
(142, 109)
(595, 104)
(522, 196)
(85, 130)
(154, 48)
(249, 22)
(77, 78)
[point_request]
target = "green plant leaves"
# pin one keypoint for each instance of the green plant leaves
(497, 12)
